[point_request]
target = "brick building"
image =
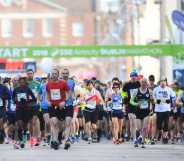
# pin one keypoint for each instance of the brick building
(44, 22)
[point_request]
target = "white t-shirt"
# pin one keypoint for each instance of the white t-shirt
(91, 103)
(163, 94)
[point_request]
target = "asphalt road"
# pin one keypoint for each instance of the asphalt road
(104, 151)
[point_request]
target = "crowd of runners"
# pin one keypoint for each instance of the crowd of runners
(58, 109)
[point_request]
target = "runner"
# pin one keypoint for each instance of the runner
(152, 129)
(108, 111)
(92, 98)
(142, 98)
(10, 114)
(57, 92)
(21, 97)
(180, 114)
(163, 97)
(173, 118)
(101, 112)
(4, 97)
(78, 96)
(44, 112)
(35, 123)
(69, 110)
(117, 113)
(128, 88)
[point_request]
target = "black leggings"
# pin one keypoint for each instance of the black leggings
(163, 118)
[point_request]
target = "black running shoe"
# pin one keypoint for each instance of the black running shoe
(2, 137)
(94, 138)
(136, 145)
(143, 146)
(152, 141)
(165, 140)
(172, 141)
(22, 145)
(54, 145)
(67, 145)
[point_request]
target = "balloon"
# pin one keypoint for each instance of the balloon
(46, 65)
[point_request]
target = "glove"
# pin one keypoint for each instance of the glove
(168, 101)
(109, 99)
(78, 96)
(23, 100)
(151, 113)
(158, 101)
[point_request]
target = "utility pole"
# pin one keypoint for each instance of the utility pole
(165, 61)
(162, 36)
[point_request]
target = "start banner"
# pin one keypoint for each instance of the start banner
(91, 51)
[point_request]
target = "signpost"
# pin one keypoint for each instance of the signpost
(178, 19)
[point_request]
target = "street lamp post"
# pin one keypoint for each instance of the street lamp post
(165, 62)
(137, 41)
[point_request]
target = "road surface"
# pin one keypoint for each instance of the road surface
(104, 151)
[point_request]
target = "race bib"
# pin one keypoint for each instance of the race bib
(21, 96)
(117, 105)
(12, 107)
(163, 100)
(182, 110)
(55, 94)
(91, 104)
(143, 104)
(1, 102)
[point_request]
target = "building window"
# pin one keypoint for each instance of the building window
(28, 28)
(48, 27)
(78, 29)
(6, 3)
(6, 28)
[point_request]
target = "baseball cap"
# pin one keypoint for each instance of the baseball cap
(163, 78)
(134, 73)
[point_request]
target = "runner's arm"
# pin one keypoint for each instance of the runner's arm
(108, 96)
(151, 99)
(179, 102)
(100, 98)
(14, 96)
(155, 96)
(30, 93)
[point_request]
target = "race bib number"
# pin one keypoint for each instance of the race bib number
(182, 110)
(143, 104)
(21, 96)
(55, 94)
(1, 102)
(117, 105)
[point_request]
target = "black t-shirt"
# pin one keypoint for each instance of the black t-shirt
(129, 86)
(4, 95)
(22, 96)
